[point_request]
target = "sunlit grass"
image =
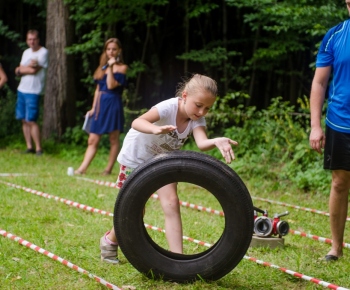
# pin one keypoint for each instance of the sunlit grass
(74, 234)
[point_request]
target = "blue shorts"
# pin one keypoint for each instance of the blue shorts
(27, 107)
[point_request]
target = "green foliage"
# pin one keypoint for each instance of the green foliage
(12, 35)
(285, 27)
(75, 136)
(9, 125)
(273, 143)
(212, 56)
(200, 7)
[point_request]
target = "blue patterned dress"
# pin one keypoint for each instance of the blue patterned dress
(109, 113)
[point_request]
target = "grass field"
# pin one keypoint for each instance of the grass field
(73, 234)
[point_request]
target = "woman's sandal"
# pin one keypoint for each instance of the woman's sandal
(78, 172)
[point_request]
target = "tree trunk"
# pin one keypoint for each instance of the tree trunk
(59, 101)
(224, 38)
(253, 75)
(187, 35)
(143, 57)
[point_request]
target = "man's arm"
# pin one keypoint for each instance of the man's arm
(27, 70)
(318, 91)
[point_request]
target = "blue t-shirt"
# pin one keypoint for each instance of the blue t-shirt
(335, 52)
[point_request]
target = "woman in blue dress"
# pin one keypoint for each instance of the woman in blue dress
(107, 115)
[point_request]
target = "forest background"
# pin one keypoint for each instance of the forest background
(261, 53)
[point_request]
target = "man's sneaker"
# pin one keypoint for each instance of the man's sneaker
(109, 252)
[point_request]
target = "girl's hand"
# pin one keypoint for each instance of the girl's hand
(163, 129)
(225, 146)
(91, 112)
(111, 61)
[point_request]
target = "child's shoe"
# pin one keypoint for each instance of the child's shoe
(109, 250)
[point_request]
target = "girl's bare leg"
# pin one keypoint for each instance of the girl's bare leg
(173, 225)
(93, 141)
(113, 152)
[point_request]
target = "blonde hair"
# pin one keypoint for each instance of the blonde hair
(196, 84)
(98, 74)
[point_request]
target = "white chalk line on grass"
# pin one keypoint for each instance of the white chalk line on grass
(220, 213)
(285, 270)
(17, 174)
(57, 258)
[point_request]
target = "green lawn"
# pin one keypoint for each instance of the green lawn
(73, 234)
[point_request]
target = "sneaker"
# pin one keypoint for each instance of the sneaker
(29, 150)
(39, 152)
(109, 252)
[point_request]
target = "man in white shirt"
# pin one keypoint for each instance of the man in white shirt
(32, 71)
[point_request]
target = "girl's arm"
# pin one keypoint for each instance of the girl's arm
(222, 143)
(112, 68)
(144, 123)
(92, 111)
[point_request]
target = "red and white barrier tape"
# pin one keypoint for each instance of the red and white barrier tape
(202, 208)
(99, 182)
(49, 196)
(316, 238)
(290, 272)
(221, 213)
(183, 237)
(57, 258)
(155, 196)
(296, 274)
(294, 206)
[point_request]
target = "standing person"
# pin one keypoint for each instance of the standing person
(3, 77)
(107, 109)
(166, 127)
(334, 58)
(32, 71)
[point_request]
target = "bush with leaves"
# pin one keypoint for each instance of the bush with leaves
(273, 143)
(9, 125)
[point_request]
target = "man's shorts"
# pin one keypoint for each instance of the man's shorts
(337, 150)
(124, 172)
(27, 107)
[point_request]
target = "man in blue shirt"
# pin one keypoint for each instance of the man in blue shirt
(334, 59)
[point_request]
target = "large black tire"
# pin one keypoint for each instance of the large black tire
(196, 168)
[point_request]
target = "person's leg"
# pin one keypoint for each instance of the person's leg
(90, 153)
(109, 247)
(173, 225)
(32, 115)
(21, 113)
(35, 134)
(113, 152)
(338, 209)
(27, 135)
(111, 236)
